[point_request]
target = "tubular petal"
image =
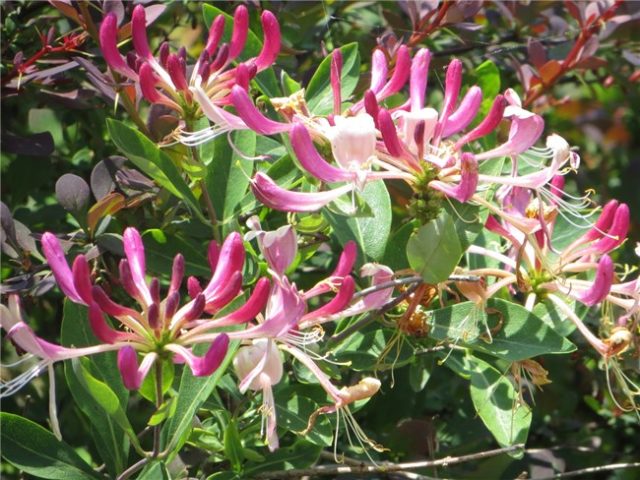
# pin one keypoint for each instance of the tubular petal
(252, 306)
(59, 267)
(252, 116)
(418, 80)
(337, 303)
(271, 41)
(215, 34)
(139, 32)
(240, 31)
(101, 329)
(466, 112)
(312, 161)
(134, 251)
(82, 278)
(273, 196)
(399, 76)
(601, 284)
(109, 46)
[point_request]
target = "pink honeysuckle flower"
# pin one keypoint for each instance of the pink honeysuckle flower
(264, 353)
(163, 80)
(160, 326)
(43, 352)
(288, 325)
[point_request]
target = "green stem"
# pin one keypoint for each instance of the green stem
(159, 395)
(213, 218)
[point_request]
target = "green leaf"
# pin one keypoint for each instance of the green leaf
(374, 349)
(434, 250)
(266, 79)
(497, 403)
(192, 393)
(395, 255)
(488, 79)
(227, 175)
(161, 247)
(106, 398)
(110, 439)
(319, 95)
(300, 455)
(233, 450)
(293, 412)
(519, 333)
(38, 452)
(155, 163)
(370, 233)
(154, 471)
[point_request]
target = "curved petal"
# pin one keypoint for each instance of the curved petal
(270, 42)
(312, 161)
(252, 116)
(601, 284)
(134, 251)
(240, 31)
(466, 112)
(109, 46)
(273, 196)
(468, 180)
(59, 267)
(419, 76)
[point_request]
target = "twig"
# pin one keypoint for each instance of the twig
(372, 315)
(590, 470)
(358, 463)
(336, 470)
(133, 469)
(412, 279)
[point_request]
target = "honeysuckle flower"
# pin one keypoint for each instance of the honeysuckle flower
(289, 325)
(160, 328)
(416, 140)
(265, 353)
(559, 276)
(202, 89)
(35, 348)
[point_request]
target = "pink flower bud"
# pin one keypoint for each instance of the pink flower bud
(270, 42)
(205, 366)
(108, 306)
(176, 72)
(418, 80)
(177, 273)
(466, 112)
(82, 278)
(109, 46)
(101, 329)
(488, 123)
(399, 76)
(240, 31)
(378, 70)
(215, 34)
(139, 32)
(193, 287)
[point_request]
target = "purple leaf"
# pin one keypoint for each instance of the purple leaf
(73, 193)
(36, 145)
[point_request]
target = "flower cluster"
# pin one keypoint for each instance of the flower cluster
(518, 187)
